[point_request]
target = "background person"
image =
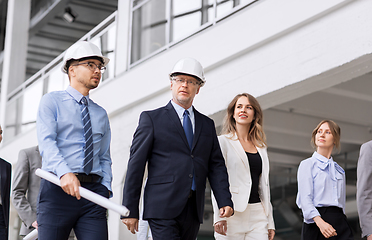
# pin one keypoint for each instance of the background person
(364, 189)
(321, 188)
(243, 146)
(25, 188)
(182, 151)
(5, 176)
(74, 141)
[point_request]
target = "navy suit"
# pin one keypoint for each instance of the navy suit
(161, 142)
(5, 175)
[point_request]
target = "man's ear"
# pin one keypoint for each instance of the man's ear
(71, 71)
(197, 91)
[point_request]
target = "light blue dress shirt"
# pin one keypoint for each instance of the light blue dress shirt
(321, 183)
(180, 110)
(61, 139)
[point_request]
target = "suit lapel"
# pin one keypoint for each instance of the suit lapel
(198, 127)
(172, 114)
(239, 149)
(265, 163)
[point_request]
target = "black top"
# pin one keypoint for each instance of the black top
(255, 165)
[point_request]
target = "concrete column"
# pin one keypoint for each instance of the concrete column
(122, 37)
(15, 51)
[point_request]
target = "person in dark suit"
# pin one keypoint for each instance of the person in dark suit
(182, 151)
(5, 176)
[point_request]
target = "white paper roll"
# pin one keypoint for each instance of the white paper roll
(31, 236)
(87, 194)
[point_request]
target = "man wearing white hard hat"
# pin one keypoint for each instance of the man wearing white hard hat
(74, 141)
(181, 150)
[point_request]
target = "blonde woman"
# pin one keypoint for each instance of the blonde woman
(243, 146)
(321, 188)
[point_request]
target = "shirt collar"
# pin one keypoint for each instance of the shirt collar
(180, 110)
(321, 158)
(325, 162)
(76, 94)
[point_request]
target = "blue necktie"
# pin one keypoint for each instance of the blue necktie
(88, 150)
(187, 126)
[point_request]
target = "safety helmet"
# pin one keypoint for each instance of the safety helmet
(82, 49)
(191, 67)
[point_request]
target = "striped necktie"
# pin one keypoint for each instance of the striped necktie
(88, 150)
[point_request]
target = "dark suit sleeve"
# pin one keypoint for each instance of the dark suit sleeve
(20, 187)
(6, 171)
(139, 152)
(364, 188)
(217, 175)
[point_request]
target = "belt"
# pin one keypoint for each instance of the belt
(192, 193)
(91, 178)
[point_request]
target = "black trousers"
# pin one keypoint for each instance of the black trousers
(183, 227)
(333, 216)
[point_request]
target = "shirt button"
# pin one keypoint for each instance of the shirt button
(190, 175)
(192, 156)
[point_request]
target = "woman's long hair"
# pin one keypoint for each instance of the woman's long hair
(256, 133)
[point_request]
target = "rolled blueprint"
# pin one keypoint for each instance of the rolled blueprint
(31, 236)
(87, 194)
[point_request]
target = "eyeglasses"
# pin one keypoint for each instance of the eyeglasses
(92, 66)
(182, 81)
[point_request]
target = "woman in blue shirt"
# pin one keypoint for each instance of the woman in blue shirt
(321, 188)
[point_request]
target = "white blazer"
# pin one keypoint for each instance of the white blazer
(240, 177)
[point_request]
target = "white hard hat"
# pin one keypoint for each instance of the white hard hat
(191, 67)
(82, 49)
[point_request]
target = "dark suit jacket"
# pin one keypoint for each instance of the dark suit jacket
(161, 141)
(26, 185)
(5, 175)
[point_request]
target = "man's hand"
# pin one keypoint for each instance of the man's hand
(34, 224)
(132, 224)
(325, 228)
(226, 211)
(70, 184)
(271, 234)
(221, 227)
(369, 237)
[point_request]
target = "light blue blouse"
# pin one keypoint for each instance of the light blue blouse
(321, 183)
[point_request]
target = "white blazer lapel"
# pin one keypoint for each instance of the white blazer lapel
(238, 149)
(265, 163)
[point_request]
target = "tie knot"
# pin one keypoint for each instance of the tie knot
(186, 112)
(84, 101)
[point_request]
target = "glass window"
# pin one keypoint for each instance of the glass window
(148, 29)
(182, 6)
(31, 99)
(157, 23)
(183, 26)
(57, 80)
(108, 50)
(137, 2)
(224, 7)
(10, 129)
